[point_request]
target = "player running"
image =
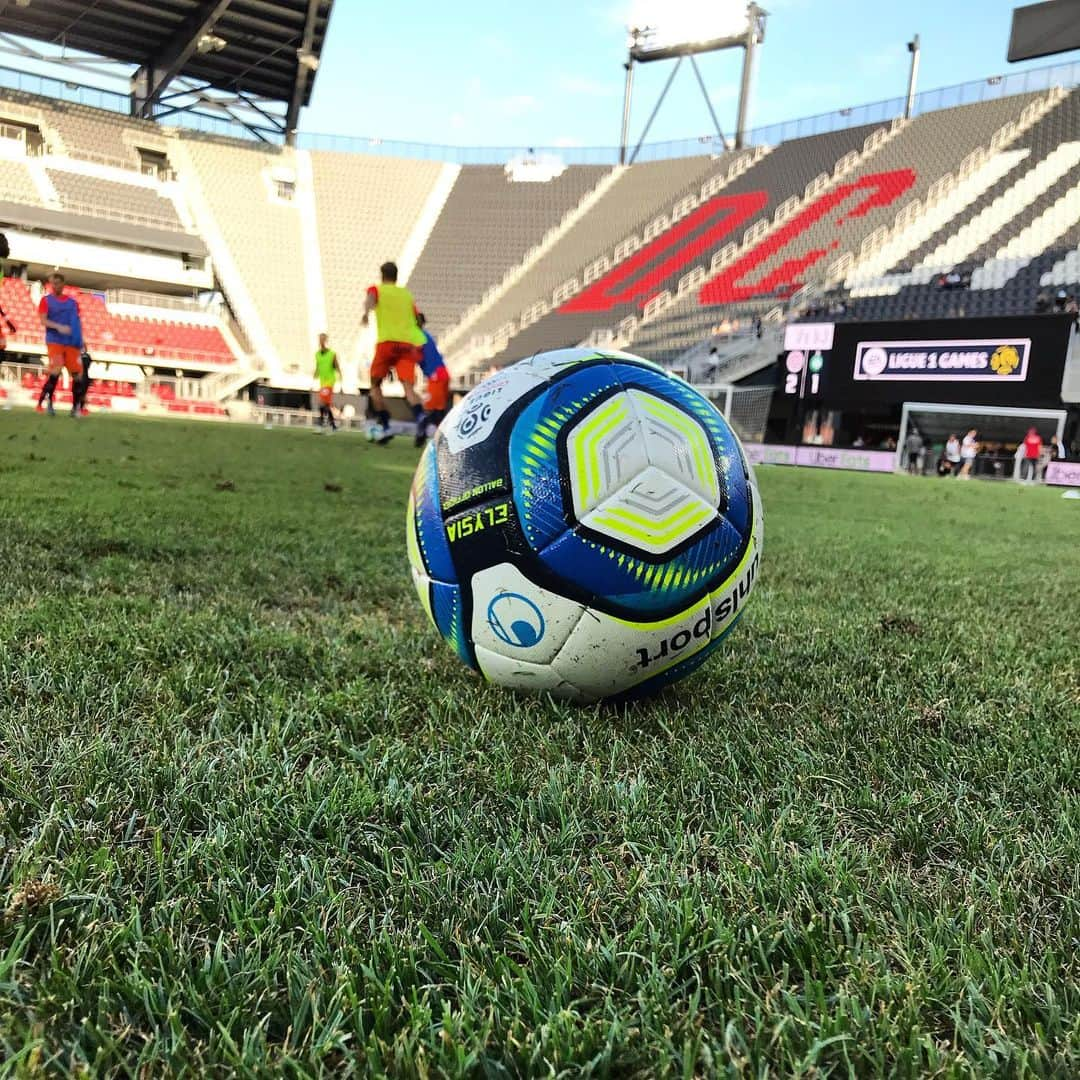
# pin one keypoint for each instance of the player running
(64, 342)
(437, 395)
(399, 339)
(328, 374)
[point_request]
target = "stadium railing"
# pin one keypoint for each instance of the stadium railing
(1036, 79)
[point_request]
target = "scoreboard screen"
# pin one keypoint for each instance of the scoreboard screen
(993, 361)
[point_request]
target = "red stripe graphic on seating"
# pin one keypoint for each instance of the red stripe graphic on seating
(610, 290)
(728, 286)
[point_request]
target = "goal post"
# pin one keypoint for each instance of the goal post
(746, 408)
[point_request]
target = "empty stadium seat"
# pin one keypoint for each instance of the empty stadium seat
(367, 208)
(497, 221)
(148, 339)
(90, 194)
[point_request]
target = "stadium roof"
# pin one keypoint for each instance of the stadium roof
(267, 49)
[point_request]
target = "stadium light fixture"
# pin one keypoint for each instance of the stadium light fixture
(210, 43)
(913, 47)
(682, 29)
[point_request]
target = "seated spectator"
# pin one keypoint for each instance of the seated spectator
(1042, 303)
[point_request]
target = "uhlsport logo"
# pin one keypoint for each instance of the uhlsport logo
(515, 620)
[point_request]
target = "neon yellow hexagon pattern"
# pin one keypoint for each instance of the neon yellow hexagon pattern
(642, 471)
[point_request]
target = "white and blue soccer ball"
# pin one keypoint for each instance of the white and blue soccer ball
(584, 524)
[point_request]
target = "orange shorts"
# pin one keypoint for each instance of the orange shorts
(326, 395)
(65, 356)
(437, 396)
(399, 355)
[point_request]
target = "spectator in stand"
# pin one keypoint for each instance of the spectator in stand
(952, 456)
(1042, 303)
(913, 451)
(1061, 300)
(969, 451)
(1029, 463)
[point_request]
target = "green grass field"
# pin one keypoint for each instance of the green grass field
(256, 819)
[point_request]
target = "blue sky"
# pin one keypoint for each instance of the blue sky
(492, 73)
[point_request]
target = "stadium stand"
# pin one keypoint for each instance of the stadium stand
(497, 220)
(1028, 216)
(97, 135)
(659, 255)
(366, 210)
(637, 196)
(129, 202)
(16, 183)
(147, 339)
(746, 201)
(255, 238)
(899, 173)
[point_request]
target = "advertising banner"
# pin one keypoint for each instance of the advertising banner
(954, 360)
(821, 457)
(1064, 473)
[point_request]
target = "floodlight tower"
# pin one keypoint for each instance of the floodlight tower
(646, 46)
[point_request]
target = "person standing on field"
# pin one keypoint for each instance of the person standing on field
(400, 341)
(328, 375)
(952, 455)
(969, 450)
(913, 449)
(1029, 463)
(61, 321)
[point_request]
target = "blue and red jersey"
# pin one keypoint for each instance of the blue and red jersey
(64, 311)
(431, 360)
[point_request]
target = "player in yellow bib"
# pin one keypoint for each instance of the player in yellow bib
(328, 375)
(400, 342)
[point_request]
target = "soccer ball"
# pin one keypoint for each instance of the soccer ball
(586, 525)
